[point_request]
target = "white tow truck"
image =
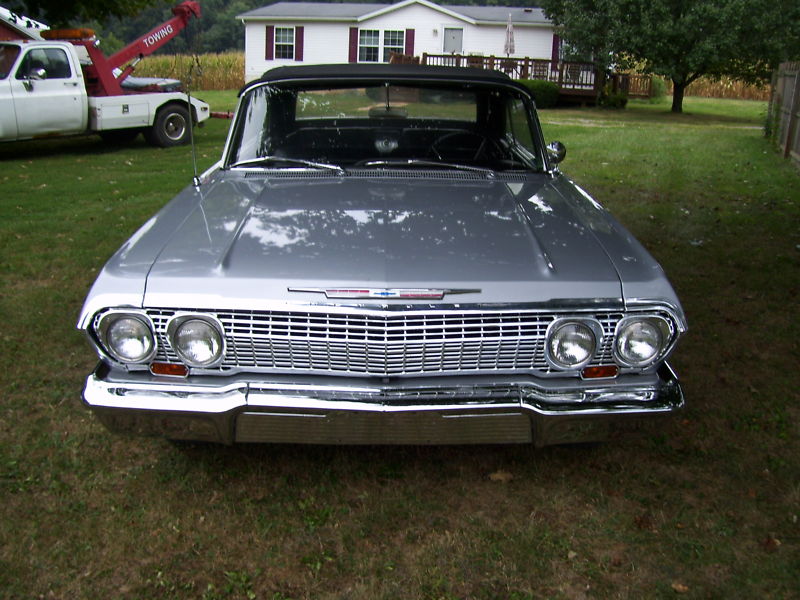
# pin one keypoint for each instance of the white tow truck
(64, 85)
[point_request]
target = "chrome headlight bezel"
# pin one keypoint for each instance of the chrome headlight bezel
(173, 329)
(592, 326)
(109, 319)
(666, 332)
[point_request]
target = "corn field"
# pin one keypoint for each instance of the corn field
(724, 88)
(201, 72)
(226, 72)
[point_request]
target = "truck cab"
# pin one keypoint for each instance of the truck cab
(64, 85)
(42, 90)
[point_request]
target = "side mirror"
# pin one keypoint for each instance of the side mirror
(556, 151)
(37, 74)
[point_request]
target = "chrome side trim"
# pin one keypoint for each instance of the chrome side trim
(383, 307)
(387, 308)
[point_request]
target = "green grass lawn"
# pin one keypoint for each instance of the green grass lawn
(220, 100)
(706, 507)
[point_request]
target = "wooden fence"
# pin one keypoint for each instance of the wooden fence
(574, 79)
(784, 110)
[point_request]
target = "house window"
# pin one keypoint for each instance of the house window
(369, 45)
(284, 42)
(370, 48)
(393, 41)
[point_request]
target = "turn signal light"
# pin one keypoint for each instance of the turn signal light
(600, 372)
(172, 369)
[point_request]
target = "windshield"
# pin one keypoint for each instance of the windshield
(386, 126)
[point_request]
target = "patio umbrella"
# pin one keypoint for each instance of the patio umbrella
(509, 46)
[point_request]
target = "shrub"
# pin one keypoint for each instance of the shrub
(658, 89)
(610, 99)
(545, 93)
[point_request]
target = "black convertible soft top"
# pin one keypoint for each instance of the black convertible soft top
(392, 72)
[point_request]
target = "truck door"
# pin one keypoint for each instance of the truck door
(48, 93)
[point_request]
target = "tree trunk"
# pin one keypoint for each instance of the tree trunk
(677, 96)
(601, 77)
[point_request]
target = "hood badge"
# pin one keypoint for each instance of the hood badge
(402, 293)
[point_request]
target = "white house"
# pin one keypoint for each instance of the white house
(313, 32)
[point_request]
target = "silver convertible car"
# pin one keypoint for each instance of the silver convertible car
(384, 254)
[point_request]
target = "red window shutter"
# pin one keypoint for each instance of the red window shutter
(298, 43)
(269, 50)
(409, 42)
(556, 50)
(353, 54)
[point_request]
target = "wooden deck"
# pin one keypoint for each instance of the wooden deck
(576, 81)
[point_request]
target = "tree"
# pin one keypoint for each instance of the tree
(218, 30)
(687, 39)
(585, 25)
(58, 13)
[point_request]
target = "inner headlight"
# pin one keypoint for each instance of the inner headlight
(571, 344)
(641, 340)
(127, 337)
(196, 341)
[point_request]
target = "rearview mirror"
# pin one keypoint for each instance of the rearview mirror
(388, 111)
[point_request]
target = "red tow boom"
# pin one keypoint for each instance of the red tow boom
(100, 78)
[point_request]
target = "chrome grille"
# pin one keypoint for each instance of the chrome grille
(385, 344)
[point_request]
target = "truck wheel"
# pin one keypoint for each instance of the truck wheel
(119, 136)
(171, 127)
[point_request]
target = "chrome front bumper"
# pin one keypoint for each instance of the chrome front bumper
(326, 410)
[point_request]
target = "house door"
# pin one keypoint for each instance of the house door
(453, 40)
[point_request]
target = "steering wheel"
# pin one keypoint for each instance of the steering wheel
(462, 144)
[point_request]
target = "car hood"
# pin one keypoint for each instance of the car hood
(248, 240)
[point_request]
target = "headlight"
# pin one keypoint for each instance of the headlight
(571, 344)
(641, 340)
(127, 337)
(197, 341)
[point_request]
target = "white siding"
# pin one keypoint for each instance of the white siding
(429, 25)
(421, 19)
(322, 43)
(255, 37)
(533, 42)
(329, 42)
(326, 43)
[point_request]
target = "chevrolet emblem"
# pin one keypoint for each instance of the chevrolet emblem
(400, 293)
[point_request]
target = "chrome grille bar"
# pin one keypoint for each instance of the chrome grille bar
(365, 343)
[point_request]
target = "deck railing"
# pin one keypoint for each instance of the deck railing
(634, 86)
(572, 78)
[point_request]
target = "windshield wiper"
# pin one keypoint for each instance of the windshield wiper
(261, 160)
(420, 162)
